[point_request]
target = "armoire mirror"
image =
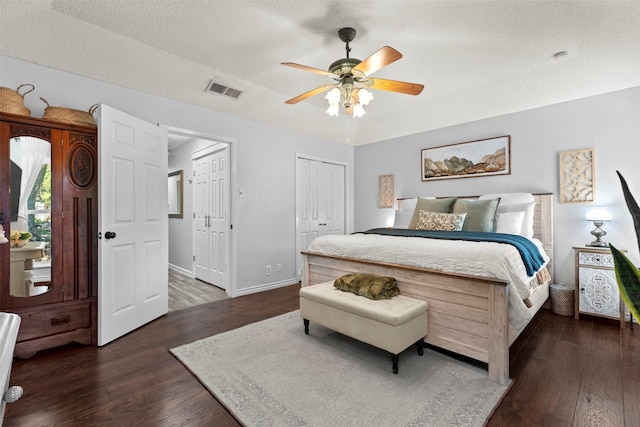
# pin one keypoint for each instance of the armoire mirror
(30, 197)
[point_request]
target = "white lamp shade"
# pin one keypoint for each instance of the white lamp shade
(598, 214)
(364, 96)
(358, 111)
(333, 96)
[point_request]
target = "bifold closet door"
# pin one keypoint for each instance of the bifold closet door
(320, 202)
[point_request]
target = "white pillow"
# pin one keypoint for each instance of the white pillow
(402, 219)
(409, 205)
(516, 202)
(527, 221)
(509, 222)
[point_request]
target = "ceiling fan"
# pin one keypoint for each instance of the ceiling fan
(353, 79)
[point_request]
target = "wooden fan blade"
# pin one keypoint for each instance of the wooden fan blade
(313, 70)
(396, 86)
(309, 94)
(378, 60)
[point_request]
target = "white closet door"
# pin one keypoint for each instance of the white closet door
(218, 212)
(337, 223)
(320, 202)
(211, 217)
(201, 212)
(303, 218)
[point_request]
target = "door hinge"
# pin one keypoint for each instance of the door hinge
(194, 215)
(231, 226)
(194, 257)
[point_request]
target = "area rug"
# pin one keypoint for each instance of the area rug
(271, 374)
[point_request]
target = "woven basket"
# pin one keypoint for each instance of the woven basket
(12, 101)
(562, 299)
(70, 115)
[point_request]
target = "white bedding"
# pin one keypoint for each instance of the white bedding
(485, 259)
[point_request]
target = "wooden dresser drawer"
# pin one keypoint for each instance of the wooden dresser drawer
(59, 318)
(595, 259)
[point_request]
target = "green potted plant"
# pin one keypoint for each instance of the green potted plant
(627, 274)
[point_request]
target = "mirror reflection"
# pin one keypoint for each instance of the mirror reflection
(30, 228)
(175, 194)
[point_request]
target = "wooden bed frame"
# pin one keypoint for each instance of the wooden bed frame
(468, 315)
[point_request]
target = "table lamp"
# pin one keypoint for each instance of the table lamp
(599, 216)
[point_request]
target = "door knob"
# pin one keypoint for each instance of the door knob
(109, 235)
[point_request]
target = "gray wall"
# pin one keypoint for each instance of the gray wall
(608, 123)
(263, 163)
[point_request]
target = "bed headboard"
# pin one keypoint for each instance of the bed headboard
(542, 221)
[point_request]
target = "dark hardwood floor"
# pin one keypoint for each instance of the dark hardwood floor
(566, 373)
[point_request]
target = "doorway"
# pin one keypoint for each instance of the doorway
(200, 242)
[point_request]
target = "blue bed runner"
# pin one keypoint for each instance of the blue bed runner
(531, 256)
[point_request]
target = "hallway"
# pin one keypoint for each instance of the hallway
(187, 292)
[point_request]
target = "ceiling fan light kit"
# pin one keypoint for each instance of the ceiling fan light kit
(352, 77)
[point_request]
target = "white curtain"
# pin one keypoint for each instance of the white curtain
(33, 151)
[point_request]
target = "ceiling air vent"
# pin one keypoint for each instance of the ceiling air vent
(223, 90)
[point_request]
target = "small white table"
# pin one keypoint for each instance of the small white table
(21, 261)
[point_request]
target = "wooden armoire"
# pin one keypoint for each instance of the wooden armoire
(58, 306)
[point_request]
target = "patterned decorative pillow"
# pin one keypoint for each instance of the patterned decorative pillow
(437, 221)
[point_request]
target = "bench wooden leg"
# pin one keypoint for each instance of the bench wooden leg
(306, 326)
(394, 359)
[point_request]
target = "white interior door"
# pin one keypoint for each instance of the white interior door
(133, 223)
(212, 216)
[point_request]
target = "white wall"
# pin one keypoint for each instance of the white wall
(263, 163)
(608, 123)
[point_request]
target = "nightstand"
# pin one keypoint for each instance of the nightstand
(596, 291)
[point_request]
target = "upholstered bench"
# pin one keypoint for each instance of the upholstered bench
(390, 324)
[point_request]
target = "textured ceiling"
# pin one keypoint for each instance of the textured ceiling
(477, 58)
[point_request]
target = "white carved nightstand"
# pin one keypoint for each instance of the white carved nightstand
(596, 290)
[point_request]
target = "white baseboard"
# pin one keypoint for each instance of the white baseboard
(181, 270)
(265, 287)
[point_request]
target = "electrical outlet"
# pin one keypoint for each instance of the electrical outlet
(267, 270)
(278, 267)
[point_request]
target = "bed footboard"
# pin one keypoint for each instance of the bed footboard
(468, 315)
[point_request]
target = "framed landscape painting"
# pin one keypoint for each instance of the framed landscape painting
(482, 157)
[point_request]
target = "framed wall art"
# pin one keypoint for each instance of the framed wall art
(577, 176)
(385, 191)
(482, 157)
